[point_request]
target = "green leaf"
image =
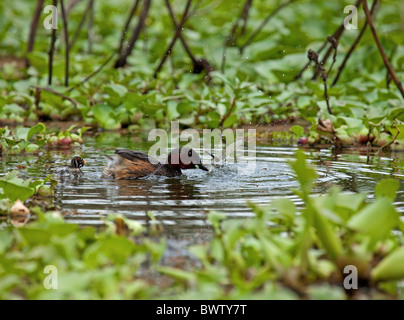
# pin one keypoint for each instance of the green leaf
(22, 133)
(6, 239)
(391, 267)
(394, 131)
(286, 208)
(105, 116)
(297, 130)
(34, 236)
(327, 234)
(230, 121)
(387, 188)
(305, 174)
(376, 220)
(38, 128)
(15, 191)
(177, 274)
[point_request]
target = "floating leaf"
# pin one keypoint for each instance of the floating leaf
(391, 267)
(387, 188)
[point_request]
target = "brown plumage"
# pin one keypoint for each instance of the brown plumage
(130, 164)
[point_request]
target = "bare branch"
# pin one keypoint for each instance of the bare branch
(135, 35)
(353, 46)
(66, 36)
(51, 50)
(263, 23)
(176, 35)
(381, 50)
(33, 28)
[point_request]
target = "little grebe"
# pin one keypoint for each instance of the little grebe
(74, 168)
(129, 164)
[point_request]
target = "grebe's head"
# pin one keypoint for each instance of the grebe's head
(77, 162)
(185, 158)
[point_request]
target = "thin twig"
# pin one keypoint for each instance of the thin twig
(57, 93)
(334, 45)
(51, 50)
(230, 40)
(394, 139)
(91, 27)
(228, 113)
(126, 27)
(244, 16)
(176, 35)
(381, 50)
(33, 28)
(313, 56)
(263, 23)
(93, 73)
(83, 19)
(388, 76)
(337, 34)
(199, 64)
(66, 36)
(299, 75)
(353, 46)
(71, 5)
(185, 45)
(135, 35)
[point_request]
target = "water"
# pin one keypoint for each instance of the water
(181, 204)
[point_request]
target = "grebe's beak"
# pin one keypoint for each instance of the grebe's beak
(202, 167)
(84, 161)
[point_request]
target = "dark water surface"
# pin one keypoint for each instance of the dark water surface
(181, 204)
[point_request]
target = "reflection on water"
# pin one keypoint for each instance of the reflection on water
(181, 204)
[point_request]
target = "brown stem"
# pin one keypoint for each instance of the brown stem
(263, 23)
(334, 45)
(75, 103)
(185, 45)
(230, 40)
(34, 27)
(83, 19)
(71, 5)
(176, 35)
(90, 27)
(228, 113)
(313, 56)
(66, 36)
(388, 76)
(353, 46)
(135, 35)
(299, 75)
(337, 34)
(128, 21)
(381, 50)
(244, 15)
(394, 139)
(51, 50)
(37, 101)
(92, 74)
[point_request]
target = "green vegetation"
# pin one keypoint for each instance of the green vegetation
(226, 70)
(31, 140)
(257, 85)
(280, 253)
